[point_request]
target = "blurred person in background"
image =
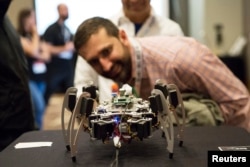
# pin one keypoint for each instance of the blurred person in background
(37, 54)
(137, 18)
(60, 73)
(16, 114)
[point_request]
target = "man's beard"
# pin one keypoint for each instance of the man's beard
(126, 68)
(65, 17)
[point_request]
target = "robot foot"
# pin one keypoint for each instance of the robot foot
(180, 143)
(171, 155)
(163, 135)
(74, 159)
(68, 148)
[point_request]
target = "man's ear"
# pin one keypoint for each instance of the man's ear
(123, 36)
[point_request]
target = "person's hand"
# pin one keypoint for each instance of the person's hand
(45, 54)
(69, 46)
(34, 30)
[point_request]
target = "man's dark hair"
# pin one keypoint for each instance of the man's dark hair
(92, 26)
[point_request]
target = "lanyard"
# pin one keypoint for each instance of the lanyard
(139, 65)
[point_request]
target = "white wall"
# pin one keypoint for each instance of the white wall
(196, 14)
(229, 13)
(205, 14)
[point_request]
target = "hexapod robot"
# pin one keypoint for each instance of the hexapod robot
(123, 118)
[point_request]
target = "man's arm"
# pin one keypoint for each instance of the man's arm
(203, 72)
(55, 50)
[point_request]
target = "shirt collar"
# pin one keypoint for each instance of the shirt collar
(121, 19)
